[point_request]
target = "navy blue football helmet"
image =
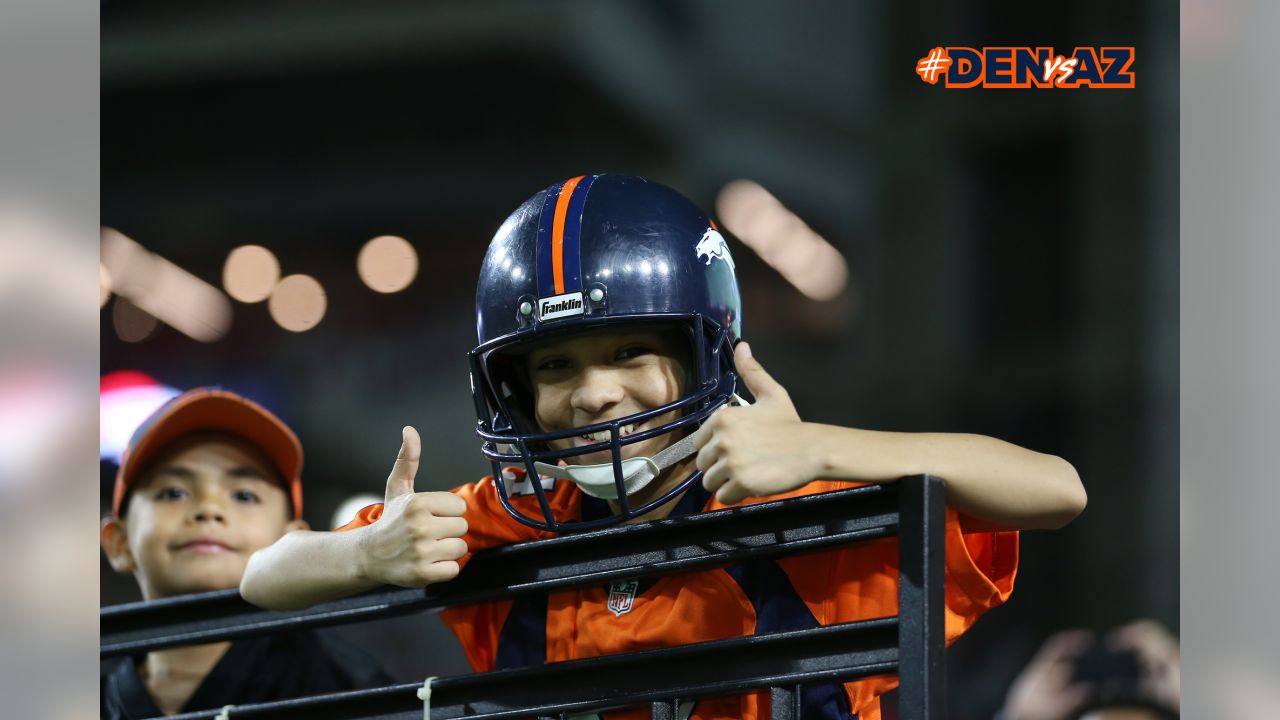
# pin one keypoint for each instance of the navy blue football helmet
(598, 252)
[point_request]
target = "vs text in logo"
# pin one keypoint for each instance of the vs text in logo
(1024, 67)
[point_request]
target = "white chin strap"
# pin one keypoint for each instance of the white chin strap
(637, 472)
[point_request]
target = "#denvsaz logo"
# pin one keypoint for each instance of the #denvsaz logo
(1025, 67)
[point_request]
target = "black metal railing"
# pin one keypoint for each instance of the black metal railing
(909, 645)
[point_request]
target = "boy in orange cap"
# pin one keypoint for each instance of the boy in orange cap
(208, 479)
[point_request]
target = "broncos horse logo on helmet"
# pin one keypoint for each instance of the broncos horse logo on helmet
(713, 246)
(598, 252)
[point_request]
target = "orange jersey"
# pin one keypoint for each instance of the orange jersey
(857, 582)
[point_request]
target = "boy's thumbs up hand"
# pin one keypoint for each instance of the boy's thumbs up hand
(755, 450)
(418, 539)
(761, 383)
(400, 481)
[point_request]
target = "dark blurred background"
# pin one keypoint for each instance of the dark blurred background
(1012, 254)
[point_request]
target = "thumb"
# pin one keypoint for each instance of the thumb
(400, 481)
(760, 383)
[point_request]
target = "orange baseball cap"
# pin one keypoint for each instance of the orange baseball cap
(205, 409)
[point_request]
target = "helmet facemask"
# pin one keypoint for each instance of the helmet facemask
(504, 397)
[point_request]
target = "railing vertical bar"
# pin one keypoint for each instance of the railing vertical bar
(665, 710)
(921, 630)
(785, 702)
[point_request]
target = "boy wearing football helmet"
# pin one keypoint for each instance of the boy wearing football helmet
(607, 384)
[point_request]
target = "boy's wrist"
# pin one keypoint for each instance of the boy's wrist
(359, 563)
(822, 452)
(854, 454)
(832, 449)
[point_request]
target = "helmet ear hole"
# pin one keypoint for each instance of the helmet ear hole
(520, 408)
(685, 340)
(513, 390)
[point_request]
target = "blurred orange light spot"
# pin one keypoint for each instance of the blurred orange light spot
(250, 273)
(387, 264)
(297, 303)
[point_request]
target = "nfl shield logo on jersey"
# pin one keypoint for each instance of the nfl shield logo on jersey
(621, 596)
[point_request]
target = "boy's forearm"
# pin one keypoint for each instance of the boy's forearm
(991, 480)
(304, 568)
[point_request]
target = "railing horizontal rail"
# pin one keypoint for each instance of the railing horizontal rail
(673, 545)
(721, 667)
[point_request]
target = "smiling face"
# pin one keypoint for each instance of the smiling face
(205, 505)
(604, 376)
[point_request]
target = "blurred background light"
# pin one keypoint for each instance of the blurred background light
(387, 264)
(104, 285)
(782, 240)
(165, 291)
(132, 324)
(250, 273)
(298, 303)
(125, 399)
(347, 509)
(128, 263)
